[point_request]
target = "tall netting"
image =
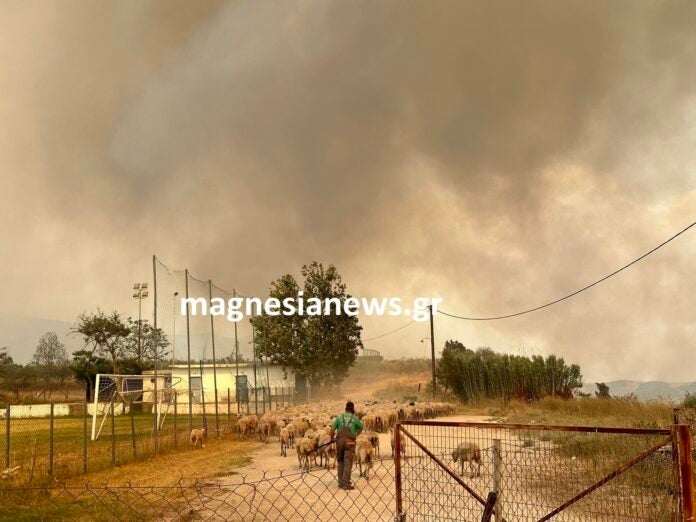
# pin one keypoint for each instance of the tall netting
(212, 355)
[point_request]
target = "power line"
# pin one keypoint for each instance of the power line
(577, 291)
(389, 333)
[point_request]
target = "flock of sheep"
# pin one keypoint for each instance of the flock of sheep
(307, 428)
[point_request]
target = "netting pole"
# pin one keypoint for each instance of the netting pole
(50, 440)
(84, 438)
(497, 479)
(188, 354)
(236, 360)
(155, 404)
(212, 333)
(7, 436)
(432, 348)
(253, 345)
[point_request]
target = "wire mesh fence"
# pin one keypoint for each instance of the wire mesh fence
(295, 496)
(448, 470)
(56, 441)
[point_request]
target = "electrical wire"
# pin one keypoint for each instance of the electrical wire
(556, 301)
(389, 333)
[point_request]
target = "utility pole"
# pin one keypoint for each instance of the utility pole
(155, 340)
(174, 329)
(432, 348)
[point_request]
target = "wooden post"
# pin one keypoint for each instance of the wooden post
(229, 415)
(432, 348)
(497, 479)
(400, 515)
(51, 440)
(686, 478)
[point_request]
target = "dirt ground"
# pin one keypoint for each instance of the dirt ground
(534, 480)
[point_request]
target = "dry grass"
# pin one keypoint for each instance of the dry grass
(580, 412)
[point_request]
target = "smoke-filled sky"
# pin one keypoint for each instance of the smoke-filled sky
(495, 154)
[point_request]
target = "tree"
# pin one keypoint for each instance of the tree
(143, 344)
(602, 391)
(320, 348)
(5, 360)
(106, 334)
(85, 367)
(51, 360)
(50, 352)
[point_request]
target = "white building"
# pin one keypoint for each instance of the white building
(249, 378)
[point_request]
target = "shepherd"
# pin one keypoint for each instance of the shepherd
(346, 427)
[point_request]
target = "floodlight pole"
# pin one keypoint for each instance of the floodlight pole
(155, 341)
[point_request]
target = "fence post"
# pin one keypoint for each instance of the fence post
(175, 412)
(497, 478)
(50, 441)
(132, 423)
(400, 516)
(229, 416)
(217, 413)
(113, 432)
(686, 479)
(7, 436)
(84, 438)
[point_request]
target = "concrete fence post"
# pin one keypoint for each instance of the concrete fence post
(7, 436)
(229, 414)
(50, 440)
(686, 478)
(176, 428)
(113, 432)
(84, 437)
(497, 479)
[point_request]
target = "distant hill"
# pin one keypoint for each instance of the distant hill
(646, 390)
(21, 335)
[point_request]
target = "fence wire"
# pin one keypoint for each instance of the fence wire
(296, 496)
(447, 472)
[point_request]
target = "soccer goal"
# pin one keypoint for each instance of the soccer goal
(113, 393)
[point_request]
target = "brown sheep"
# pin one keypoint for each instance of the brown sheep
(468, 452)
(264, 430)
(364, 452)
(305, 447)
(197, 437)
(284, 442)
(402, 441)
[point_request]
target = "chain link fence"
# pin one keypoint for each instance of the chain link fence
(295, 496)
(455, 471)
(43, 441)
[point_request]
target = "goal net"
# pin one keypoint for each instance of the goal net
(118, 394)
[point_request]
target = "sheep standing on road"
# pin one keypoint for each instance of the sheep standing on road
(284, 441)
(402, 441)
(364, 452)
(468, 452)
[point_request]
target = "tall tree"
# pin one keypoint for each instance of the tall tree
(144, 344)
(319, 347)
(50, 352)
(85, 367)
(106, 334)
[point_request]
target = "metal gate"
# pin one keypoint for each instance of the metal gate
(480, 471)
